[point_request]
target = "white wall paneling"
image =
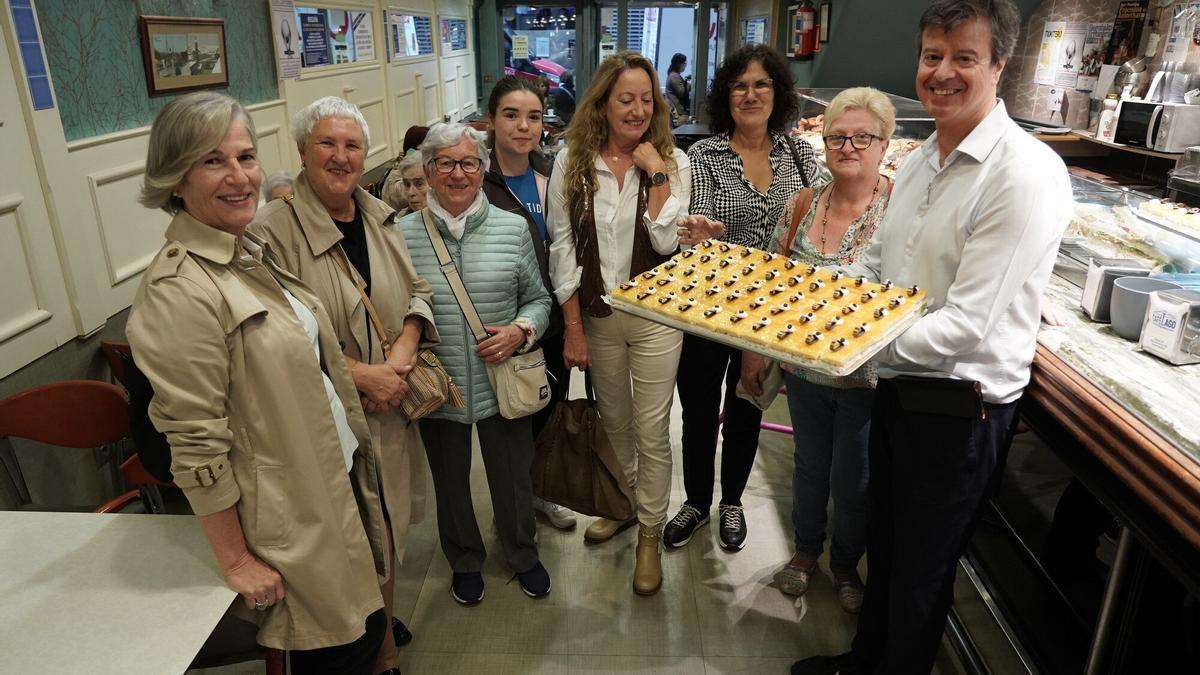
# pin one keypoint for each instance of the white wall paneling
(35, 310)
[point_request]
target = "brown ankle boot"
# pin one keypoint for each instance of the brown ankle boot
(647, 571)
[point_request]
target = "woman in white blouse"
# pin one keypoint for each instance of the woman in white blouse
(616, 194)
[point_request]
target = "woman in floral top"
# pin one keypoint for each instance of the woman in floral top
(831, 416)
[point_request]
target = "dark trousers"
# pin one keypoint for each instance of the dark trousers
(507, 449)
(356, 658)
(930, 478)
(560, 380)
(703, 364)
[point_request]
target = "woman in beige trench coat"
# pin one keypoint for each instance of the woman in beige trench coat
(330, 216)
(271, 449)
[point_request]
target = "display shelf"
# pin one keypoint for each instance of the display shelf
(1091, 138)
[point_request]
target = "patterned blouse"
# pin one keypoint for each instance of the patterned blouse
(854, 243)
(720, 190)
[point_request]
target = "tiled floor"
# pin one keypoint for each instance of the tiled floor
(716, 613)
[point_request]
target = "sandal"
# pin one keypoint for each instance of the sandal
(850, 591)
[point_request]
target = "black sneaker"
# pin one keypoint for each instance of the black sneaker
(535, 581)
(467, 588)
(733, 527)
(400, 633)
(679, 531)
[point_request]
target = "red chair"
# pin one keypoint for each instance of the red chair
(82, 414)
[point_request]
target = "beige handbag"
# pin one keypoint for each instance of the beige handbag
(520, 382)
(429, 385)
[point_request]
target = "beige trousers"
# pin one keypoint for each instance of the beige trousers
(633, 372)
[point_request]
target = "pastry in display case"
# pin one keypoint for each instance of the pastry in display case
(1114, 222)
(812, 317)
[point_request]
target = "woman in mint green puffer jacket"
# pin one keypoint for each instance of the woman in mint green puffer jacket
(494, 254)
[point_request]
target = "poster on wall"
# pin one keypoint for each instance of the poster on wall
(287, 39)
(542, 47)
(315, 39)
(1061, 56)
(1127, 31)
(1093, 55)
(364, 36)
(1179, 38)
(454, 34)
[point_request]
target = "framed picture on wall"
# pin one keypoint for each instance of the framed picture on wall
(182, 53)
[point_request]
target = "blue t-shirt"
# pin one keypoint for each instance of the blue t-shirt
(525, 188)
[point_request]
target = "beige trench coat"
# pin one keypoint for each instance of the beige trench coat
(303, 237)
(239, 394)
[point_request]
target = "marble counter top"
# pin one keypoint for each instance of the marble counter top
(105, 593)
(1163, 396)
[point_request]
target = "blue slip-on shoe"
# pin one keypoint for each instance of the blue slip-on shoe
(535, 581)
(467, 588)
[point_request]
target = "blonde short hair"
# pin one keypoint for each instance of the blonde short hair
(863, 98)
(185, 130)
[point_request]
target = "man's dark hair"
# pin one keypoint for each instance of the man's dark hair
(787, 102)
(1001, 15)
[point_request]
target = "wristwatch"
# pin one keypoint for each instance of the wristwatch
(658, 178)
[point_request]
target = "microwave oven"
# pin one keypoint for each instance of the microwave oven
(1166, 127)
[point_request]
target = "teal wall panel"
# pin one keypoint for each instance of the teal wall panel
(95, 55)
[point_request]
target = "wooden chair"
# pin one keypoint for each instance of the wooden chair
(83, 414)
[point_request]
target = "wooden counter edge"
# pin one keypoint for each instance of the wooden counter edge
(1160, 473)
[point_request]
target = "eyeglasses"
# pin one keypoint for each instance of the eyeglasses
(960, 62)
(761, 87)
(468, 164)
(857, 141)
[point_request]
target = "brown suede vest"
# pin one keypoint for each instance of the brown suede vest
(587, 252)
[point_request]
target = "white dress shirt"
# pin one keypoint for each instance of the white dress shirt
(980, 233)
(615, 212)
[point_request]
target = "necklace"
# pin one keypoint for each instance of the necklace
(829, 203)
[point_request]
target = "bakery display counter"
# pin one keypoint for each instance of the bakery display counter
(1135, 412)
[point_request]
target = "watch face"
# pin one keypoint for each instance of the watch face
(658, 178)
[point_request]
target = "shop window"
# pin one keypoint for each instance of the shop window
(539, 42)
(411, 35)
(334, 36)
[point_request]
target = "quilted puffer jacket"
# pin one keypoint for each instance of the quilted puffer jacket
(496, 260)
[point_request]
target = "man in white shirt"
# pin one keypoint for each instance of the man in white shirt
(975, 219)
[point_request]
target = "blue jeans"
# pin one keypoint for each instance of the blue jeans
(830, 428)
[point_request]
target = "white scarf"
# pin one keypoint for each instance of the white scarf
(456, 224)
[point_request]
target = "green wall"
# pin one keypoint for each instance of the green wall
(95, 56)
(871, 42)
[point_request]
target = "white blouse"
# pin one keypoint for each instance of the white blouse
(615, 212)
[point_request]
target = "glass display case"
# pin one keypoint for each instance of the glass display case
(1115, 222)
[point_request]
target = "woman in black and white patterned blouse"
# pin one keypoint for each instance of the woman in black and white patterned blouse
(741, 177)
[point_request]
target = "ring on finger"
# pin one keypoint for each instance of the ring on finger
(260, 605)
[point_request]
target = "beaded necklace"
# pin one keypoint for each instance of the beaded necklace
(829, 201)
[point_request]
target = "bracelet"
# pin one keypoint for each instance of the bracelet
(572, 323)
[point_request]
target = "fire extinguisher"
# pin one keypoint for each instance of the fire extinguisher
(806, 31)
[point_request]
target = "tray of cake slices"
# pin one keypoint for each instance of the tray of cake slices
(812, 317)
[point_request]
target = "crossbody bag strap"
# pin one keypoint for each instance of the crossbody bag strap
(803, 202)
(796, 158)
(339, 258)
(446, 263)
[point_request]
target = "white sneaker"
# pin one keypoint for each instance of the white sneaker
(559, 516)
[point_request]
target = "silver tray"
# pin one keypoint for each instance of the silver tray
(882, 340)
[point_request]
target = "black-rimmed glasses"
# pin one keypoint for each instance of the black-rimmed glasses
(857, 141)
(468, 164)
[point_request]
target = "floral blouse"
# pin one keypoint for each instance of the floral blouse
(854, 243)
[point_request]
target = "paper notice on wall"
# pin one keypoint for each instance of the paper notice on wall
(1061, 106)
(364, 36)
(1093, 55)
(520, 47)
(541, 47)
(1061, 57)
(287, 39)
(1179, 38)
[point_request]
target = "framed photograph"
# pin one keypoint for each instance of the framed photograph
(183, 53)
(823, 30)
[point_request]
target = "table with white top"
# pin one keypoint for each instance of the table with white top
(105, 593)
